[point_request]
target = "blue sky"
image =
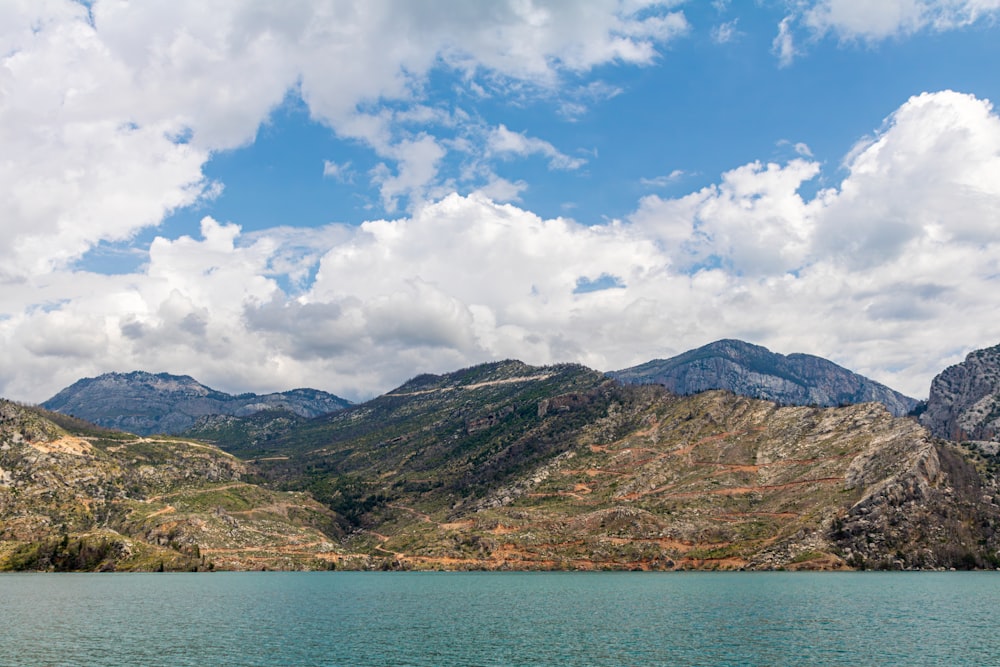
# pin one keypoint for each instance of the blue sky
(343, 195)
(700, 108)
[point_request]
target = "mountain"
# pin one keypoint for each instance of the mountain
(78, 497)
(145, 403)
(756, 372)
(508, 466)
(964, 401)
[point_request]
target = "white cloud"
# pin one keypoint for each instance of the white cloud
(504, 142)
(116, 109)
(663, 181)
(337, 171)
(417, 167)
(113, 121)
(867, 20)
(502, 190)
(871, 21)
(576, 102)
(725, 32)
(803, 149)
(929, 177)
(893, 273)
(753, 223)
(783, 45)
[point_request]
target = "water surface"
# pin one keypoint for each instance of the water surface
(500, 619)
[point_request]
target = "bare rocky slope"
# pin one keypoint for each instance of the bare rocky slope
(964, 401)
(756, 372)
(147, 403)
(76, 497)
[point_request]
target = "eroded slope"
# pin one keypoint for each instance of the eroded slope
(80, 498)
(707, 481)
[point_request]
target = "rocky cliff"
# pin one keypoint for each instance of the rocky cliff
(146, 403)
(756, 372)
(964, 401)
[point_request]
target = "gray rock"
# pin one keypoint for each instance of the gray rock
(964, 401)
(146, 403)
(756, 372)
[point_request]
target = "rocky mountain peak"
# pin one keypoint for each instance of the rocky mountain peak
(147, 403)
(754, 371)
(964, 401)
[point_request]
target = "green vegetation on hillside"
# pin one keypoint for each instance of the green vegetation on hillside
(77, 497)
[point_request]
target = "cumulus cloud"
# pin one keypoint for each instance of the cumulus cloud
(114, 108)
(752, 223)
(929, 177)
(874, 273)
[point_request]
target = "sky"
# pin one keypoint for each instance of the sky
(343, 195)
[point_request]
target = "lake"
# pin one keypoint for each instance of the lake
(356, 619)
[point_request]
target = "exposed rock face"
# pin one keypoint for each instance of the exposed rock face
(756, 372)
(145, 403)
(934, 510)
(964, 401)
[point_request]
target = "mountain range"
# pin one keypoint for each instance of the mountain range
(509, 466)
(147, 403)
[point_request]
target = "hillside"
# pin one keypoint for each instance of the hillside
(77, 497)
(509, 466)
(506, 466)
(756, 372)
(461, 433)
(147, 403)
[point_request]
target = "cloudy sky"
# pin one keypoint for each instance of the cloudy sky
(343, 194)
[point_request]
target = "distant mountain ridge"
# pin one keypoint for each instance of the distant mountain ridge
(148, 403)
(756, 372)
(964, 401)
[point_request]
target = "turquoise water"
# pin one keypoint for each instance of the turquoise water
(500, 619)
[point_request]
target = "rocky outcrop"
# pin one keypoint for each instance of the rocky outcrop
(934, 510)
(756, 372)
(146, 403)
(964, 401)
